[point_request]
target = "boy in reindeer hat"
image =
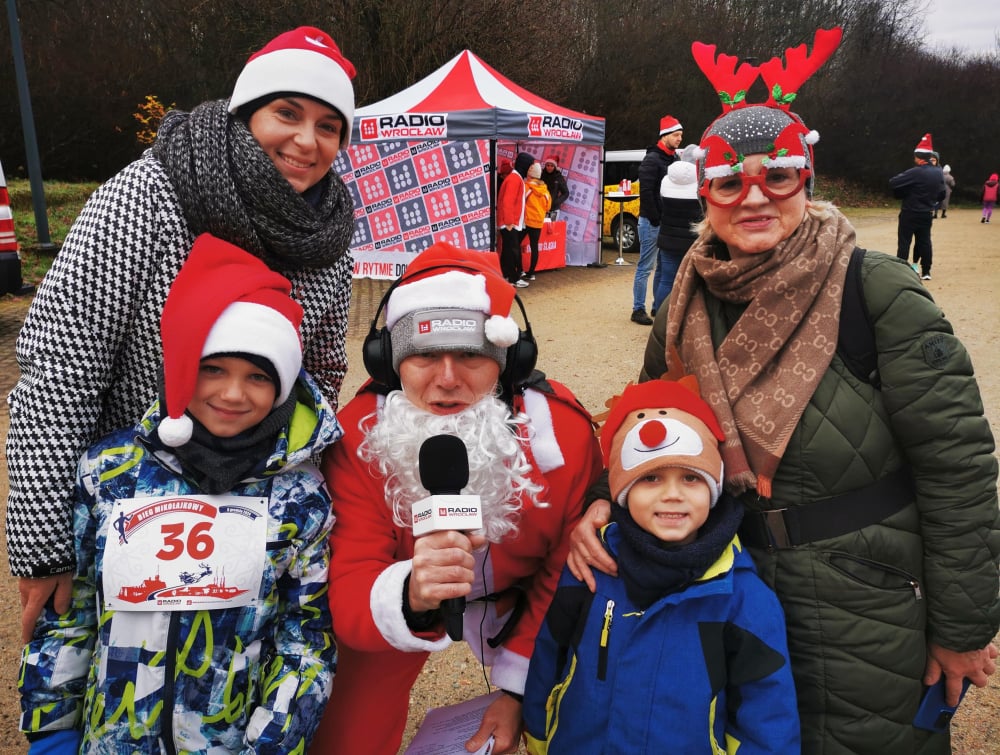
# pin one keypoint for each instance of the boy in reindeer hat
(921, 188)
(199, 601)
(684, 650)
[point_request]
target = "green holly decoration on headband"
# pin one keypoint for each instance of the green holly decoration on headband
(782, 99)
(769, 157)
(735, 161)
(735, 100)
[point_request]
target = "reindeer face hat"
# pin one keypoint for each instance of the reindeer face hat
(660, 424)
(770, 129)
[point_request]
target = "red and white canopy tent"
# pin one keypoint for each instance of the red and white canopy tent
(422, 164)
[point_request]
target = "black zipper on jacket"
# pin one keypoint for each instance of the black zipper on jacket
(879, 566)
(169, 669)
(602, 650)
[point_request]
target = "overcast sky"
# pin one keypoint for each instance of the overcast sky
(969, 24)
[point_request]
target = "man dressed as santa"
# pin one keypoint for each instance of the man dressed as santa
(450, 361)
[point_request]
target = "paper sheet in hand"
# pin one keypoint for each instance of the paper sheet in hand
(445, 731)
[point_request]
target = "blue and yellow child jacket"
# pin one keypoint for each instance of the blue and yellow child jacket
(702, 670)
(239, 679)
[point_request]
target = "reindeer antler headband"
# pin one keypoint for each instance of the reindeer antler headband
(768, 128)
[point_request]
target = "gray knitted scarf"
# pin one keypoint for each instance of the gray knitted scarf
(229, 187)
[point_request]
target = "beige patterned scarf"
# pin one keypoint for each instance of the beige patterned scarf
(764, 372)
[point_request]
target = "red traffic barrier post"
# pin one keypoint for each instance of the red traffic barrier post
(10, 255)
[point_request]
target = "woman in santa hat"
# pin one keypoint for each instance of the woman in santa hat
(254, 170)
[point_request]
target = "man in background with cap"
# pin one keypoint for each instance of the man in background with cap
(450, 361)
(652, 169)
(921, 188)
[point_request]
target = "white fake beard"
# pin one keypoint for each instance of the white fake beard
(499, 472)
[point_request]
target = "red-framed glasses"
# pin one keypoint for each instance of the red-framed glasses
(775, 183)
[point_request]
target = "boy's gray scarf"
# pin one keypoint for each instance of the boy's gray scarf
(229, 187)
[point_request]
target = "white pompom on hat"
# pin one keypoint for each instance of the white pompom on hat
(659, 424)
(224, 301)
(425, 311)
(305, 60)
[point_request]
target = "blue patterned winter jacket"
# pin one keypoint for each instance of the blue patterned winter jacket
(237, 679)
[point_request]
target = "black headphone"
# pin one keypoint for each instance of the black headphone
(376, 352)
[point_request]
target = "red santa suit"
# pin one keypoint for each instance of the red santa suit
(380, 657)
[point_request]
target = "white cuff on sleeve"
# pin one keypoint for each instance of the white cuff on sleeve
(387, 612)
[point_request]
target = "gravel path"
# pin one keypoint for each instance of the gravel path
(580, 318)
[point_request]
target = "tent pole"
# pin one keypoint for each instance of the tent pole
(495, 188)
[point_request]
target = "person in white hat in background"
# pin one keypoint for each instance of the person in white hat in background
(201, 542)
(680, 211)
(253, 169)
(684, 650)
(537, 202)
(452, 361)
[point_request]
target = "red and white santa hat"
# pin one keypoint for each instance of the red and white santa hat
(659, 424)
(451, 299)
(669, 124)
(307, 61)
(924, 146)
(224, 301)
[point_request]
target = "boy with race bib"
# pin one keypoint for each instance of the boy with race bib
(199, 620)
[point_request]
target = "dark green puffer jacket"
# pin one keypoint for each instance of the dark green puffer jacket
(860, 608)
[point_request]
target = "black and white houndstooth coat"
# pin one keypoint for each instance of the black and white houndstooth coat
(89, 351)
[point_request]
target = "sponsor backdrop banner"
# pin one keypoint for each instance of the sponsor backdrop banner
(411, 194)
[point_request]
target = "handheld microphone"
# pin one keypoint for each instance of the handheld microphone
(444, 471)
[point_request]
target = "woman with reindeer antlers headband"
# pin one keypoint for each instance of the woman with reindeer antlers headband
(855, 433)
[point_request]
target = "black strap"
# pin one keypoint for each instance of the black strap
(856, 334)
(831, 517)
(516, 612)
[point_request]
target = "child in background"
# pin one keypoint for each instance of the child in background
(537, 202)
(199, 619)
(684, 651)
(989, 198)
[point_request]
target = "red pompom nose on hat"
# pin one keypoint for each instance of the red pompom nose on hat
(224, 300)
(652, 434)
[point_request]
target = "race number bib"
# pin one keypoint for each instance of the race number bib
(184, 552)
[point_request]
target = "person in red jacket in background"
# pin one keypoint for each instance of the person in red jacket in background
(450, 360)
(510, 219)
